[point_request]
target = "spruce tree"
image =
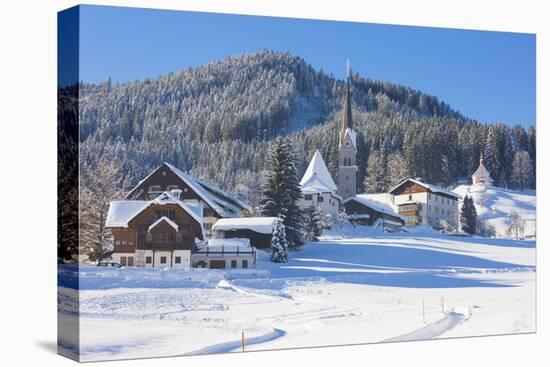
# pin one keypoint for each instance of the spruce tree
(281, 192)
(313, 226)
(279, 245)
(468, 216)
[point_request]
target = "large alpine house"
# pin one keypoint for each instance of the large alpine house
(216, 203)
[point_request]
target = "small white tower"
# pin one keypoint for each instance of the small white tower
(481, 177)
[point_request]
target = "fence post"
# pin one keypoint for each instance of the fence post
(423, 311)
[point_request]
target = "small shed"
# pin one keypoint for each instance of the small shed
(373, 209)
(257, 229)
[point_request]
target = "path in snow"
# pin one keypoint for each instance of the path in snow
(236, 344)
(435, 329)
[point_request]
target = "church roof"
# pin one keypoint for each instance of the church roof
(481, 171)
(353, 136)
(317, 176)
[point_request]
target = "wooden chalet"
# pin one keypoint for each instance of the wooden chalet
(155, 233)
(215, 202)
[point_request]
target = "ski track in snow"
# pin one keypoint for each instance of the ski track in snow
(451, 320)
(236, 344)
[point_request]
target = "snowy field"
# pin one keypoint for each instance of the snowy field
(355, 286)
(496, 204)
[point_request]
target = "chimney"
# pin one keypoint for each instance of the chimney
(176, 193)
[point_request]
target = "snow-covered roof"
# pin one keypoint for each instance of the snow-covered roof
(257, 224)
(317, 177)
(226, 245)
(432, 188)
(221, 202)
(122, 212)
(482, 172)
(353, 136)
(164, 219)
(378, 202)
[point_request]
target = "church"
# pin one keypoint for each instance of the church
(318, 187)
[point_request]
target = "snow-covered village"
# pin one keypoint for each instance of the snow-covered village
(258, 203)
(183, 267)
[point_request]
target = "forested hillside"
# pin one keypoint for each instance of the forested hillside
(218, 121)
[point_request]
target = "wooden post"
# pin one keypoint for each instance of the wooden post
(242, 342)
(423, 311)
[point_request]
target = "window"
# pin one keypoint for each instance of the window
(407, 189)
(413, 189)
(307, 197)
(155, 188)
(163, 259)
(123, 260)
(172, 187)
(177, 259)
(320, 199)
(148, 259)
(245, 264)
(233, 264)
(130, 261)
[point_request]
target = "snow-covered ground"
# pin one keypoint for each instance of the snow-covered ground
(357, 285)
(496, 204)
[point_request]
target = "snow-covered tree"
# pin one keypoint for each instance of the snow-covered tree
(397, 169)
(484, 228)
(96, 192)
(342, 218)
(279, 245)
(281, 192)
(522, 171)
(468, 216)
(313, 225)
(516, 225)
(376, 178)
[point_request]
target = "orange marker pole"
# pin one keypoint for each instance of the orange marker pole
(242, 337)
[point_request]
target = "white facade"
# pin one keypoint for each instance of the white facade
(318, 188)
(481, 176)
(431, 207)
(156, 259)
(325, 202)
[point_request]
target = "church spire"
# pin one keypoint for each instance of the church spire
(347, 121)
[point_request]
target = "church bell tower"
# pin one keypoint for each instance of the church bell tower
(347, 148)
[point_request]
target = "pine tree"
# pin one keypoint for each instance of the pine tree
(281, 192)
(376, 179)
(313, 226)
(468, 216)
(279, 245)
(522, 171)
(397, 169)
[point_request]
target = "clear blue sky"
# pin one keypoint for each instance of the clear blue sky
(489, 76)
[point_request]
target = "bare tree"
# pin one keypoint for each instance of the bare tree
(98, 188)
(516, 225)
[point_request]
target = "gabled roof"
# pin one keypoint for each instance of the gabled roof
(164, 219)
(221, 202)
(257, 224)
(317, 175)
(122, 212)
(377, 202)
(352, 135)
(481, 171)
(429, 187)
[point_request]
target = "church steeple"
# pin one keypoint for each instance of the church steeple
(347, 149)
(347, 121)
